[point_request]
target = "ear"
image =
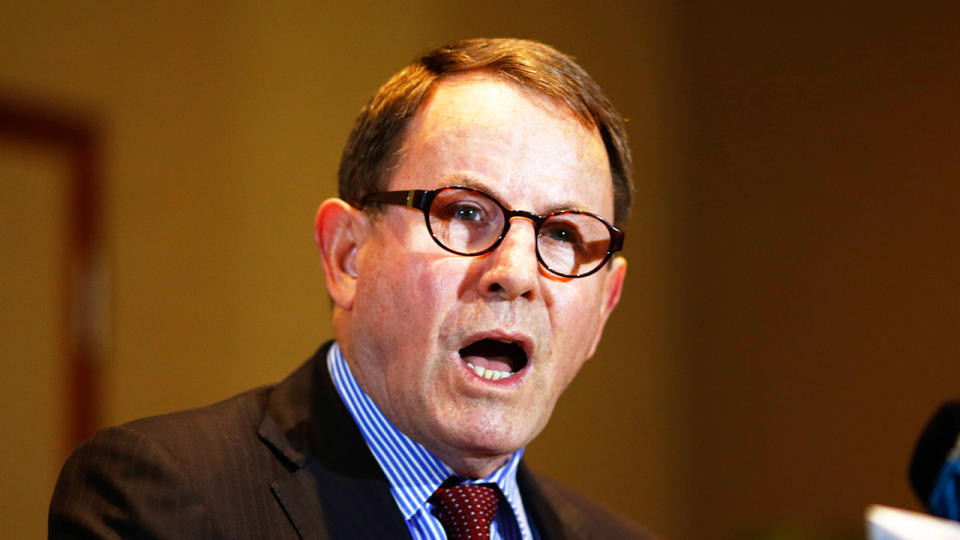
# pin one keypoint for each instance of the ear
(338, 231)
(612, 287)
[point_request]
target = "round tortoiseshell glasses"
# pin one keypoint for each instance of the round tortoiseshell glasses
(465, 221)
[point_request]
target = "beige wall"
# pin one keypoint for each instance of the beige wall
(223, 124)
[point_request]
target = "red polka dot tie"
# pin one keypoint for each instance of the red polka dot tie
(466, 512)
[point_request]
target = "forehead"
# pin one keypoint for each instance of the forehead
(526, 149)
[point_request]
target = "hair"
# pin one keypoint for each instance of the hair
(374, 146)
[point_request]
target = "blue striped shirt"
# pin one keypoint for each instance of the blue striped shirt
(415, 473)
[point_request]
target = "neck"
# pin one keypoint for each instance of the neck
(468, 464)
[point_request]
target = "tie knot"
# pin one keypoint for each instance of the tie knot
(466, 512)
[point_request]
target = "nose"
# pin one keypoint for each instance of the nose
(512, 270)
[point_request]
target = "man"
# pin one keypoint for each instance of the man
(471, 264)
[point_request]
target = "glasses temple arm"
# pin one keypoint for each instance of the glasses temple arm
(415, 198)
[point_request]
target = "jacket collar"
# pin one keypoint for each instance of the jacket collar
(543, 512)
(334, 485)
(331, 468)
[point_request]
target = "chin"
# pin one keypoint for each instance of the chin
(492, 437)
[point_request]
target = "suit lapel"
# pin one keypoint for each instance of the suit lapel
(324, 505)
(299, 495)
(551, 517)
(335, 488)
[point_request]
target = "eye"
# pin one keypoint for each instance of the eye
(561, 233)
(467, 212)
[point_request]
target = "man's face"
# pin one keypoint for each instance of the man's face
(420, 314)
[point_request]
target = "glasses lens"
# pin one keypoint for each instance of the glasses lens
(573, 244)
(465, 221)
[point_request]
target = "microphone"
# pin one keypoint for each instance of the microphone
(935, 466)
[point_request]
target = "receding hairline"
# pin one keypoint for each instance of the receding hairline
(369, 158)
(553, 107)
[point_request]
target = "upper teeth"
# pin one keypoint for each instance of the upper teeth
(491, 374)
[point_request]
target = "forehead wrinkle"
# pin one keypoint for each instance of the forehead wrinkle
(470, 181)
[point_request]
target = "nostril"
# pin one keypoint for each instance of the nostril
(495, 287)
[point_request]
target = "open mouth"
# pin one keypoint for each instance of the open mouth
(494, 359)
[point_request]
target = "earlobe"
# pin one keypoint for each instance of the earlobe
(338, 236)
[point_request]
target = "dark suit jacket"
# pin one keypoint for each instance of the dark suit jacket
(284, 461)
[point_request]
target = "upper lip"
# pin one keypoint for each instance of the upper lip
(524, 341)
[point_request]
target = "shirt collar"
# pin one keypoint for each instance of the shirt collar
(413, 471)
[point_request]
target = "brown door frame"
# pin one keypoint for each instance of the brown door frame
(82, 322)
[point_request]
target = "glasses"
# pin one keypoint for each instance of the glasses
(462, 220)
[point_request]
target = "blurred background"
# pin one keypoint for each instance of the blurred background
(791, 313)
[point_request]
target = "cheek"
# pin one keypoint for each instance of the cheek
(574, 314)
(403, 289)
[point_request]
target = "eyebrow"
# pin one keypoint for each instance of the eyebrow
(465, 180)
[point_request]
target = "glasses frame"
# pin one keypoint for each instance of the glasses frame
(421, 199)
